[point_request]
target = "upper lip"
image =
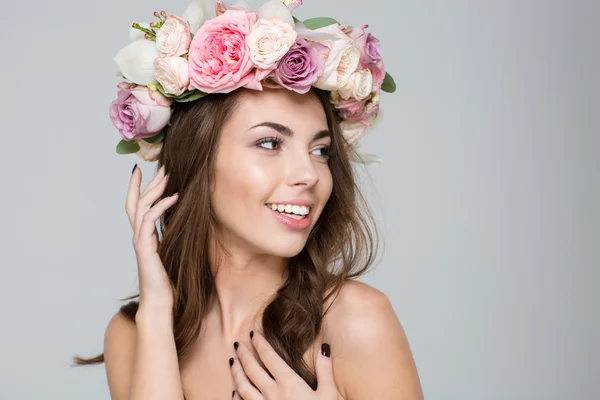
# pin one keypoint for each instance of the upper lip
(297, 202)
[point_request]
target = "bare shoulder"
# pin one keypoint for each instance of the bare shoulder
(370, 351)
(119, 352)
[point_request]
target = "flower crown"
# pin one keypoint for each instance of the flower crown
(182, 59)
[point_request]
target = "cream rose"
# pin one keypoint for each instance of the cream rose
(342, 60)
(173, 38)
(352, 130)
(269, 40)
(172, 74)
(148, 151)
(359, 85)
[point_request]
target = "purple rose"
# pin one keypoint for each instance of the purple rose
(139, 112)
(372, 49)
(301, 66)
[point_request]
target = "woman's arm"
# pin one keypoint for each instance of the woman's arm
(141, 358)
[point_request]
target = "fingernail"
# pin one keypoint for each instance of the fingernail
(235, 345)
(325, 349)
(133, 170)
(251, 334)
(231, 361)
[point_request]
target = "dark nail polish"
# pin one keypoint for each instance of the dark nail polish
(235, 345)
(233, 394)
(231, 361)
(325, 350)
(133, 170)
(251, 334)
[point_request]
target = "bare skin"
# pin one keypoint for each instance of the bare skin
(358, 327)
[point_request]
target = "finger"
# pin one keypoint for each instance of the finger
(157, 178)
(146, 202)
(236, 396)
(244, 387)
(254, 371)
(324, 371)
(148, 225)
(133, 194)
(274, 363)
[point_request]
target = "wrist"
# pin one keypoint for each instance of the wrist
(149, 313)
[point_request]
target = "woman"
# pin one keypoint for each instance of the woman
(262, 231)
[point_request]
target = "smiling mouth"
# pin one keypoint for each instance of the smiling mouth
(295, 212)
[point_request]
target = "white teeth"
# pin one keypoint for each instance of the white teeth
(290, 208)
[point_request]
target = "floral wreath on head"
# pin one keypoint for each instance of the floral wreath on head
(182, 59)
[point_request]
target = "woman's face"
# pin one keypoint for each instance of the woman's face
(272, 153)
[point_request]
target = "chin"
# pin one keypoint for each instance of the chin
(286, 249)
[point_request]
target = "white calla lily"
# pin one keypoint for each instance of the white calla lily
(136, 61)
(136, 34)
(195, 14)
(364, 158)
(238, 5)
(309, 34)
(275, 8)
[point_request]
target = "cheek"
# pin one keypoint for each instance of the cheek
(241, 186)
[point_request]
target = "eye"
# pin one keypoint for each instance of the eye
(273, 141)
(326, 152)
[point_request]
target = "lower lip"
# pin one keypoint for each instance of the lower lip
(291, 222)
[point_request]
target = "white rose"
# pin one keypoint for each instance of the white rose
(269, 40)
(359, 85)
(352, 130)
(172, 74)
(148, 151)
(342, 60)
(173, 38)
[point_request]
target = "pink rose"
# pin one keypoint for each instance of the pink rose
(219, 59)
(173, 37)
(139, 112)
(378, 72)
(350, 109)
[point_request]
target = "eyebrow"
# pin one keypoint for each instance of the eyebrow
(285, 130)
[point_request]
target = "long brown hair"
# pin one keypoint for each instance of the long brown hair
(342, 245)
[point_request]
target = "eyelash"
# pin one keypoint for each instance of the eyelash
(328, 152)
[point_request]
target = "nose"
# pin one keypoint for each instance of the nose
(301, 169)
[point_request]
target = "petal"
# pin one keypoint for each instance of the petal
(309, 34)
(136, 61)
(238, 5)
(364, 158)
(195, 14)
(275, 8)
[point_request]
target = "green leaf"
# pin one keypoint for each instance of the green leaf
(295, 19)
(156, 138)
(162, 90)
(319, 22)
(388, 84)
(191, 96)
(127, 147)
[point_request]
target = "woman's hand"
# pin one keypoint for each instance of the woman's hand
(155, 288)
(254, 383)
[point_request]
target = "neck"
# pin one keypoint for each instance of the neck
(245, 283)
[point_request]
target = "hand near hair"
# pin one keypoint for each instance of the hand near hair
(155, 288)
(254, 383)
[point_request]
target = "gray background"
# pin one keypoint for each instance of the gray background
(487, 197)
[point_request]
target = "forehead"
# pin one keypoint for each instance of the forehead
(303, 113)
